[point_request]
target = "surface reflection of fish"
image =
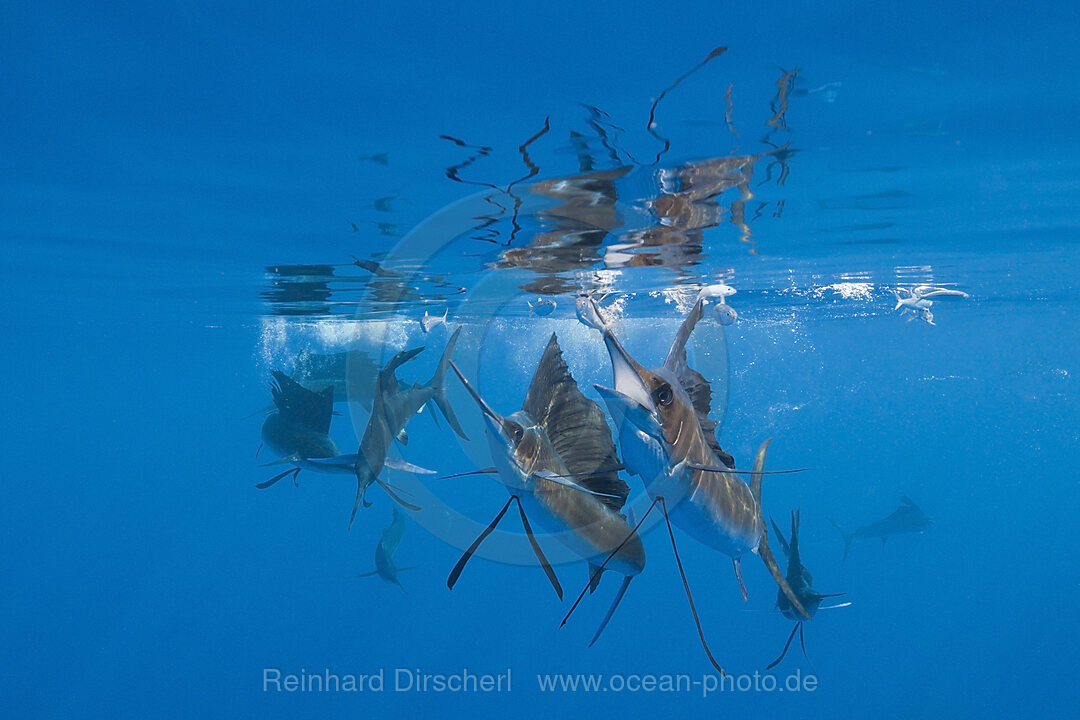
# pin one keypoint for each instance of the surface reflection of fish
(801, 582)
(384, 552)
(908, 518)
(298, 289)
(668, 440)
(725, 314)
(392, 409)
(574, 228)
(685, 207)
(298, 429)
(377, 158)
(826, 93)
(542, 307)
(557, 457)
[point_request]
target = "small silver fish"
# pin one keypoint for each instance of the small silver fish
(929, 291)
(430, 322)
(542, 307)
(588, 312)
(719, 290)
(918, 305)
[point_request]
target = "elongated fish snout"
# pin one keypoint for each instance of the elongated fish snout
(629, 375)
(625, 409)
(498, 426)
(488, 412)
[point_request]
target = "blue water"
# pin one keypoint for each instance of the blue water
(163, 168)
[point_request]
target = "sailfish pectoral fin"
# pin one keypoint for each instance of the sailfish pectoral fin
(686, 586)
(452, 579)
(611, 610)
(718, 468)
(536, 549)
(398, 464)
(834, 607)
(566, 482)
(340, 462)
(290, 459)
(267, 483)
(484, 471)
(390, 490)
(790, 637)
(737, 564)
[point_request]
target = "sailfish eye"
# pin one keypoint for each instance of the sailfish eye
(664, 395)
(518, 432)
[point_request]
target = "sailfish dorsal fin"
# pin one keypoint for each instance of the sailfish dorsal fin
(307, 408)
(576, 427)
(693, 382)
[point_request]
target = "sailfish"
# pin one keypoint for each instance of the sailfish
(908, 518)
(668, 440)
(298, 428)
(384, 552)
(393, 406)
(558, 460)
(801, 582)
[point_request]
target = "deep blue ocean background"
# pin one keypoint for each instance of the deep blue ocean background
(160, 165)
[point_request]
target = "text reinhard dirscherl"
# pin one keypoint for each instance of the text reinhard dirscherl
(415, 680)
(396, 680)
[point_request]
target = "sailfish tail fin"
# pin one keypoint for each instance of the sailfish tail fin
(763, 544)
(848, 537)
(438, 386)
